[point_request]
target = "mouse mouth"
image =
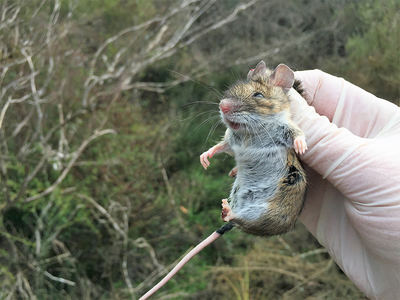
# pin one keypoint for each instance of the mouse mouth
(233, 125)
(231, 118)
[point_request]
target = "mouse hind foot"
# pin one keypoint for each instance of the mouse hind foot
(226, 214)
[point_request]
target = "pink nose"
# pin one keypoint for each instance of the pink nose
(225, 106)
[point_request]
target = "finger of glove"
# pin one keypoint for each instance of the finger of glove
(349, 106)
(354, 165)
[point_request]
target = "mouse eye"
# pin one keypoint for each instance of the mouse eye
(258, 95)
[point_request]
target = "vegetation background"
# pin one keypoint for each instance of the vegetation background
(105, 107)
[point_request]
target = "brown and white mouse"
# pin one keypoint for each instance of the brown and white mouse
(268, 193)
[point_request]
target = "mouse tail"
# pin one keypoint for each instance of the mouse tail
(214, 236)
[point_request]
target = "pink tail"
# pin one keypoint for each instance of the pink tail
(184, 260)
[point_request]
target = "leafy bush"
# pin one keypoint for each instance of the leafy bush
(372, 59)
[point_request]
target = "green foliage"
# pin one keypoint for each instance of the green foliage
(373, 60)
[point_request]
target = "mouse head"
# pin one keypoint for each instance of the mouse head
(261, 97)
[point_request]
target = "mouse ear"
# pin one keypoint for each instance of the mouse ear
(258, 71)
(283, 77)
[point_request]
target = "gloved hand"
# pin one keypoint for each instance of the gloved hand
(353, 200)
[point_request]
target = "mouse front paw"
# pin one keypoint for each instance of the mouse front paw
(226, 213)
(205, 156)
(204, 159)
(300, 145)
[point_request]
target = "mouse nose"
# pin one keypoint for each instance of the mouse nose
(226, 106)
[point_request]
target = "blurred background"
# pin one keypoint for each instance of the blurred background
(105, 107)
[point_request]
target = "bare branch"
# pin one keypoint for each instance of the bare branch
(142, 243)
(59, 279)
(65, 172)
(104, 212)
(230, 18)
(125, 255)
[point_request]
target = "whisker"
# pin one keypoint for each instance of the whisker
(202, 102)
(198, 115)
(216, 91)
(250, 123)
(259, 137)
(213, 128)
(276, 146)
(205, 121)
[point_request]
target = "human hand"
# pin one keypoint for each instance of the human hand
(353, 162)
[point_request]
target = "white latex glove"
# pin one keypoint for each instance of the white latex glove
(353, 200)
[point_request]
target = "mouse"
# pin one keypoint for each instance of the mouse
(268, 193)
(270, 183)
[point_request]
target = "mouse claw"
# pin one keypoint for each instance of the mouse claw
(206, 155)
(226, 213)
(300, 145)
(204, 158)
